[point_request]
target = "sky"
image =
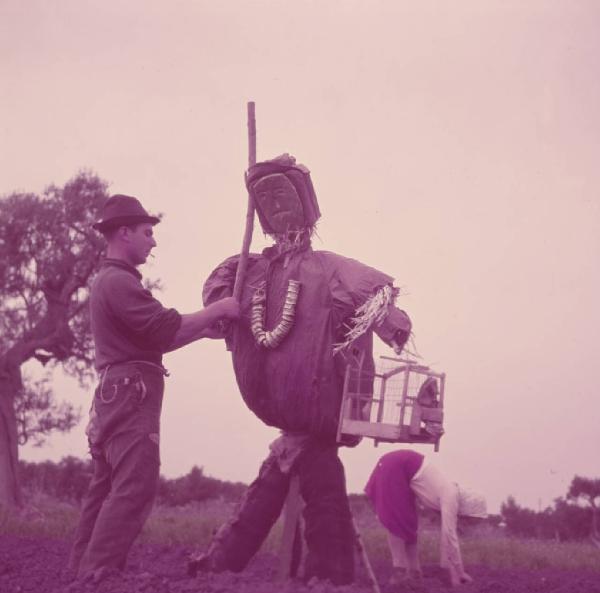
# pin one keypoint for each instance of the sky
(453, 146)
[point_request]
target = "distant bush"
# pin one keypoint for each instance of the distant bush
(564, 521)
(194, 506)
(569, 519)
(68, 481)
(196, 487)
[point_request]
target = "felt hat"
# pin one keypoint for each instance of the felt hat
(120, 210)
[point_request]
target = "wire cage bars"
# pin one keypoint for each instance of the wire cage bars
(400, 401)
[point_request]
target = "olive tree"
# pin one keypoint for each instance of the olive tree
(588, 491)
(48, 256)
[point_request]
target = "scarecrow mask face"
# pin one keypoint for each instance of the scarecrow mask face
(279, 202)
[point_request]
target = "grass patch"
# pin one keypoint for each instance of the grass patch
(45, 518)
(532, 554)
(482, 545)
(194, 525)
(191, 524)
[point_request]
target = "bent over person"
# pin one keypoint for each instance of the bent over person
(399, 480)
(131, 331)
(306, 315)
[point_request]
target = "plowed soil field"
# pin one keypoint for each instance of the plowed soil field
(39, 566)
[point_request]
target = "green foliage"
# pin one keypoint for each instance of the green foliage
(48, 256)
(38, 414)
(195, 523)
(67, 481)
(48, 252)
(43, 517)
(586, 489)
(196, 487)
(192, 524)
(498, 551)
(565, 520)
(484, 544)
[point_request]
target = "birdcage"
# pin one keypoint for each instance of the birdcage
(400, 401)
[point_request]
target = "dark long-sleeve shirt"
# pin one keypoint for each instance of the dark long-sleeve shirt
(128, 323)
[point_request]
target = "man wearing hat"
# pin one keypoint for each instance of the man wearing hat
(131, 331)
(398, 481)
(306, 315)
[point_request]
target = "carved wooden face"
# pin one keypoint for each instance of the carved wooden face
(279, 202)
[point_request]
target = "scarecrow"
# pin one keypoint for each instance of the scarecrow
(306, 315)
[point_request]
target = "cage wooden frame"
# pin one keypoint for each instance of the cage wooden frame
(408, 428)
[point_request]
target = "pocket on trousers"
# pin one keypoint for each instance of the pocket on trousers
(92, 431)
(116, 404)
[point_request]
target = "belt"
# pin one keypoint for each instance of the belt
(142, 385)
(158, 367)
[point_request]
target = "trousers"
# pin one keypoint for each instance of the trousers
(124, 442)
(328, 530)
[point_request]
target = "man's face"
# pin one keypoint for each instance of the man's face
(279, 203)
(141, 241)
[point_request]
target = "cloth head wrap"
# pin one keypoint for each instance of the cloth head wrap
(293, 180)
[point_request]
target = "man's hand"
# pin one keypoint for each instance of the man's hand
(227, 308)
(202, 324)
(214, 332)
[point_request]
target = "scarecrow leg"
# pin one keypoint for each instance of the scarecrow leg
(239, 539)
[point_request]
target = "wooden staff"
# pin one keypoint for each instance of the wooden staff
(241, 269)
(365, 558)
(290, 548)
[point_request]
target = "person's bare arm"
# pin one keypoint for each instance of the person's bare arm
(195, 326)
(412, 560)
(450, 554)
(405, 560)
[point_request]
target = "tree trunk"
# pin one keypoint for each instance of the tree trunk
(10, 491)
(53, 334)
(595, 532)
